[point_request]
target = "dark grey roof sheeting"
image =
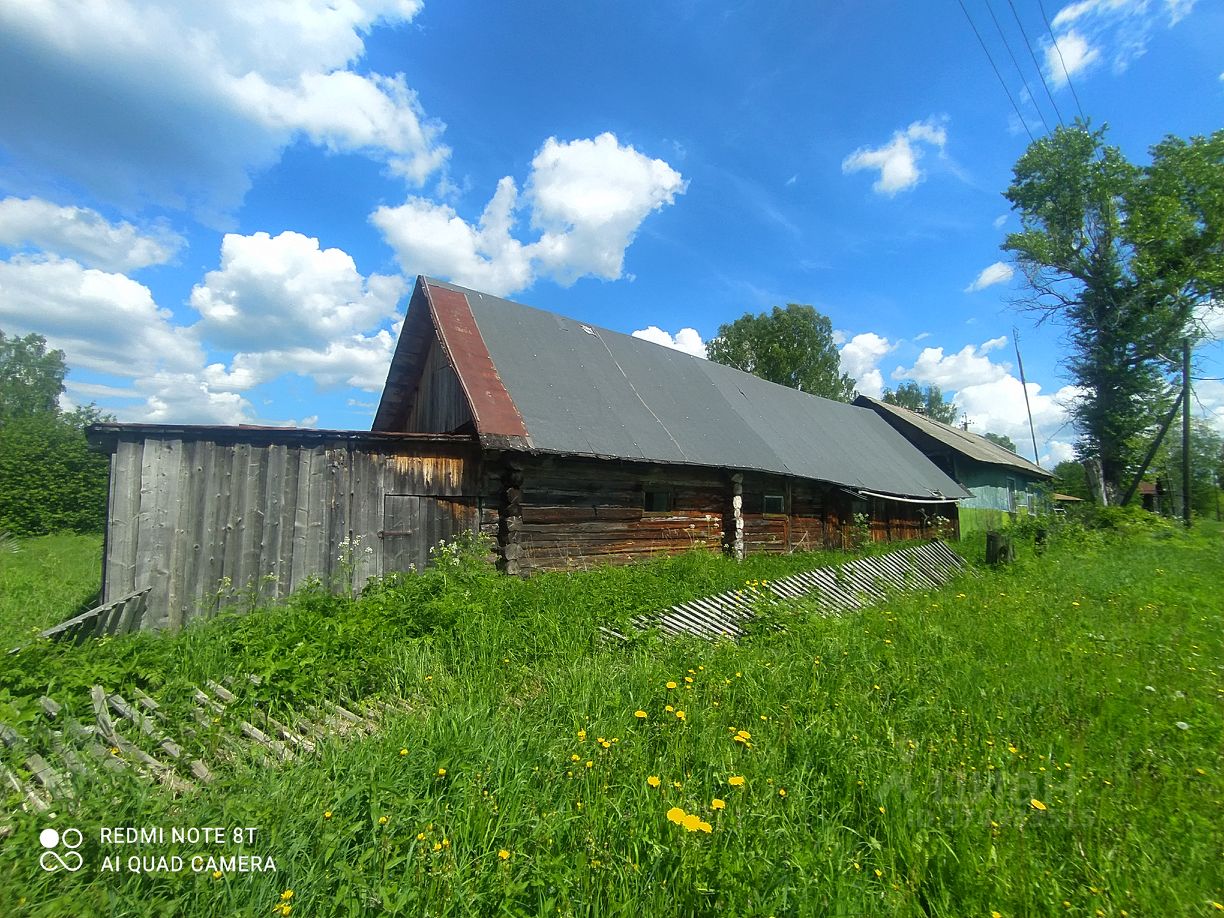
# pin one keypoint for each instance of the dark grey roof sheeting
(964, 442)
(589, 391)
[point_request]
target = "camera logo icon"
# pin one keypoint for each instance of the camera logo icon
(51, 859)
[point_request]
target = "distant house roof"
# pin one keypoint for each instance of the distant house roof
(968, 444)
(540, 382)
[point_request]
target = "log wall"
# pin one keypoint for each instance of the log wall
(577, 512)
(193, 518)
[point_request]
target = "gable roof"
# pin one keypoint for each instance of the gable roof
(541, 382)
(969, 445)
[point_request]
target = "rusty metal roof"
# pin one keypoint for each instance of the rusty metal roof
(577, 389)
(967, 444)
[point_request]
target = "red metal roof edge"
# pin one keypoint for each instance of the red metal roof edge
(496, 417)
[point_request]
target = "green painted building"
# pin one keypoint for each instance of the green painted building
(1003, 484)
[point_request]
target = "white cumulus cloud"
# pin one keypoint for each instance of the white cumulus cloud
(586, 200)
(1068, 56)
(998, 273)
(102, 321)
(179, 103)
(686, 339)
(286, 290)
(897, 161)
(83, 235)
(860, 360)
(969, 366)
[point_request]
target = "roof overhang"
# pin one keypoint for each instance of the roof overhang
(438, 314)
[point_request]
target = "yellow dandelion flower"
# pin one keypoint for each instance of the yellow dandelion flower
(736, 780)
(327, 814)
(217, 874)
(441, 772)
(717, 804)
(688, 679)
(671, 685)
(744, 733)
(680, 715)
(781, 791)
(882, 810)
(575, 757)
(504, 854)
(287, 895)
(590, 764)
(691, 821)
(994, 914)
(678, 785)
(1038, 805)
(420, 836)
(403, 752)
(437, 846)
(653, 781)
(668, 709)
(639, 714)
(676, 815)
(382, 820)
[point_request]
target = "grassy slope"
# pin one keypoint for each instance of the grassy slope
(48, 579)
(911, 741)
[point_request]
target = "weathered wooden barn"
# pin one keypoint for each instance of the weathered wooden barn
(1001, 483)
(570, 445)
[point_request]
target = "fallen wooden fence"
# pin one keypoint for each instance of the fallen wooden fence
(121, 616)
(831, 590)
(137, 738)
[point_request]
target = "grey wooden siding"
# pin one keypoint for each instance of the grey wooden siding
(438, 405)
(192, 518)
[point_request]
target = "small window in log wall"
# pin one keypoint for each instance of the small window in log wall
(656, 501)
(774, 503)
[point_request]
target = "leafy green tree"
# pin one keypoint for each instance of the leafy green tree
(31, 377)
(1071, 479)
(928, 400)
(1125, 257)
(1002, 440)
(50, 480)
(792, 347)
(1206, 456)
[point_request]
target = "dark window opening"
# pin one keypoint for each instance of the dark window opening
(774, 503)
(656, 501)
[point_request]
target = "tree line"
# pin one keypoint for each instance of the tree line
(50, 480)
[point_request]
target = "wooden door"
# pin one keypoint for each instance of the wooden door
(415, 523)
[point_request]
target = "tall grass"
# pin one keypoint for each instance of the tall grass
(45, 580)
(1043, 739)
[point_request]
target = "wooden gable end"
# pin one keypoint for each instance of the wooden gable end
(438, 404)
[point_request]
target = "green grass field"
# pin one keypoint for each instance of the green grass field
(1040, 740)
(46, 580)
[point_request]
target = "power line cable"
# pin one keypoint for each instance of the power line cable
(1015, 107)
(1033, 55)
(1066, 73)
(1016, 63)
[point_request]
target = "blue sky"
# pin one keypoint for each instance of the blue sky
(217, 210)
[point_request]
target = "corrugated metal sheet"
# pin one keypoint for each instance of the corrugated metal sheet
(962, 441)
(587, 391)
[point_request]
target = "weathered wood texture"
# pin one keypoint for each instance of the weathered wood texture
(577, 512)
(830, 590)
(572, 512)
(439, 404)
(196, 521)
(120, 616)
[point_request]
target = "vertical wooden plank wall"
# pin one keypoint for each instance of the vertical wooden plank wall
(192, 519)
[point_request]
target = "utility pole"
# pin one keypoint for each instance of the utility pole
(1024, 386)
(1186, 431)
